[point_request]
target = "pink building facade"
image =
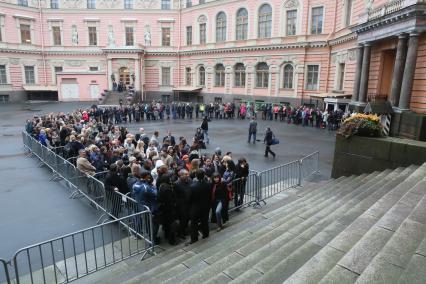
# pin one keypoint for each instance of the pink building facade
(288, 51)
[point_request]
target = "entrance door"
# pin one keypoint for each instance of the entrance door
(124, 75)
(387, 72)
(94, 92)
(70, 92)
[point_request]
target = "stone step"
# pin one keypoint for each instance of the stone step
(391, 261)
(279, 266)
(215, 268)
(365, 228)
(318, 266)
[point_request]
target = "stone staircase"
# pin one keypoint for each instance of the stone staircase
(113, 98)
(365, 229)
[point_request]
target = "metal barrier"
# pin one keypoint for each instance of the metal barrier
(4, 272)
(245, 192)
(278, 179)
(308, 166)
(81, 253)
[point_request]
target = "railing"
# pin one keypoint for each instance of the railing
(73, 256)
(4, 271)
(245, 192)
(309, 165)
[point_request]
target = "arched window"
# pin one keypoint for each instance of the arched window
(265, 21)
(288, 76)
(240, 75)
(242, 24)
(219, 71)
(221, 27)
(202, 76)
(262, 75)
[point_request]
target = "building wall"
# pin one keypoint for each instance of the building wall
(333, 46)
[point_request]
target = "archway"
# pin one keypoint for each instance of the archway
(124, 75)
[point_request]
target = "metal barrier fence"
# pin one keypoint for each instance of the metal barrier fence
(81, 253)
(309, 165)
(4, 271)
(245, 192)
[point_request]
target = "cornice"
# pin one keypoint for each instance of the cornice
(20, 51)
(343, 39)
(123, 50)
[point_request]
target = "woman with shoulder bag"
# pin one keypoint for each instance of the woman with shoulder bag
(220, 201)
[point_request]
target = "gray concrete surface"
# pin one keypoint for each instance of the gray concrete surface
(34, 209)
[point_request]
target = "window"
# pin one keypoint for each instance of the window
(128, 4)
(262, 75)
(242, 24)
(312, 77)
(91, 4)
(316, 24)
(288, 76)
(130, 40)
(219, 71)
(188, 76)
(54, 4)
(189, 35)
(265, 21)
(25, 33)
(340, 76)
(94, 68)
(291, 22)
(56, 34)
(202, 76)
(348, 12)
(58, 69)
(240, 75)
(188, 3)
(165, 4)
(23, 3)
(203, 36)
(165, 76)
(29, 75)
(165, 36)
(93, 37)
(201, 1)
(3, 76)
(221, 27)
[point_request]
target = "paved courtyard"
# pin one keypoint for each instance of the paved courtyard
(34, 209)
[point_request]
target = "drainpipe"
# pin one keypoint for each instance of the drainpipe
(179, 37)
(304, 54)
(42, 41)
(329, 46)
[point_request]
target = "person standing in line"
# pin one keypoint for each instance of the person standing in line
(205, 128)
(269, 136)
(252, 130)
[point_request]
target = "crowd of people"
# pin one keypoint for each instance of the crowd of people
(301, 115)
(183, 188)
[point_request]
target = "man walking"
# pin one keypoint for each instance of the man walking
(252, 130)
(269, 136)
(205, 129)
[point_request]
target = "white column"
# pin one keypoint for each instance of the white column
(137, 75)
(110, 73)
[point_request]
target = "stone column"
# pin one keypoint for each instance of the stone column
(410, 68)
(363, 87)
(137, 75)
(357, 80)
(398, 71)
(109, 66)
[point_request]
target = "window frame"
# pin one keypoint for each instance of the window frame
(128, 4)
(288, 77)
(288, 25)
(188, 76)
(3, 75)
(201, 76)
(90, 35)
(23, 3)
(221, 25)
(264, 22)
(129, 37)
(56, 35)
(26, 77)
(239, 76)
(25, 33)
(219, 75)
(320, 28)
(54, 4)
(166, 37)
(263, 74)
(91, 4)
(312, 86)
(165, 82)
(340, 76)
(203, 33)
(188, 35)
(241, 25)
(165, 4)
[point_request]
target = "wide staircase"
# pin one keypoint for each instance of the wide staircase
(113, 98)
(365, 229)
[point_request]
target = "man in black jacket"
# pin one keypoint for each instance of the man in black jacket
(205, 128)
(269, 136)
(114, 182)
(182, 191)
(199, 206)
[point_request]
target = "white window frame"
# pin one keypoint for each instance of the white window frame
(257, 20)
(286, 19)
(92, 23)
(256, 76)
(338, 77)
(310, 19)
(199, 33)
(94, 66)
(2, 28)
(6, 68)
(225, 36)
(345, 15)
(170, 76)
(128, 4)
(188, 76)
(93, 4)
(170, 36)
(54, 79)
(199, 77)
(56, 2)
(221, 74)
(24, 79)
(56, 23)
(306, 76)
(283, 74)
(186, 35)
(26, 20)
(236, 23)
(235, 75)
(164, 7)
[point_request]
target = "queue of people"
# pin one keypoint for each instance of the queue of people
(184, 189)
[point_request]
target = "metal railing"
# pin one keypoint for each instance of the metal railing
(75, 255)
(309, 165)
(4, 271)
(245, 192)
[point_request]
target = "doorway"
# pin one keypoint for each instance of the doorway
(388, 62)
(124, 75)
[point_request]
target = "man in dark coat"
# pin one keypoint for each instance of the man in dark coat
(269, 136)
(205, 128)
(114, 182)
(199, 206)
(182, 190)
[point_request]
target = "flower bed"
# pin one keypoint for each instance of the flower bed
(362, 125)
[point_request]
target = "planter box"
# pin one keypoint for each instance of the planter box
(358, 155)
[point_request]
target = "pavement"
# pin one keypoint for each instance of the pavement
(34, 209)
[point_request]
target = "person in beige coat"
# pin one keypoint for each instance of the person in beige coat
(84, 165)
